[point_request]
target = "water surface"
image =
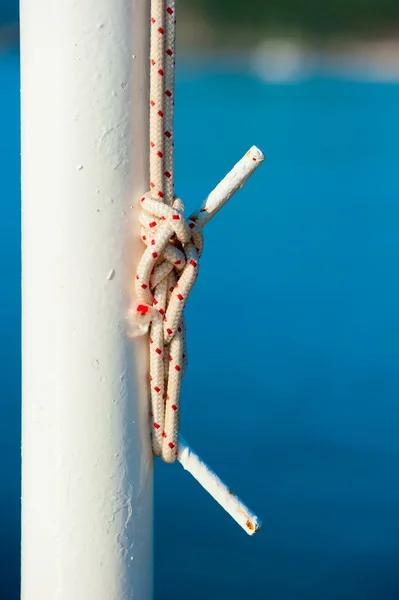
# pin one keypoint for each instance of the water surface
(293, 381)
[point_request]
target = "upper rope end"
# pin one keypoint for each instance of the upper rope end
(255, 154)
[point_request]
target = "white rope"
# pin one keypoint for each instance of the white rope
(169, 266)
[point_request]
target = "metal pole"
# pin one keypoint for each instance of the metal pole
(87, 463)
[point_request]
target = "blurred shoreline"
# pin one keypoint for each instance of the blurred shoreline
(275, 58)
(282, 56)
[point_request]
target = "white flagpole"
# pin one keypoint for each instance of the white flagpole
(86, 457)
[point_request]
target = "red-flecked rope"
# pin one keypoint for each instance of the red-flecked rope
(169, 267)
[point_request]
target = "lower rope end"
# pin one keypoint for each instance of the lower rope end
(231, 503)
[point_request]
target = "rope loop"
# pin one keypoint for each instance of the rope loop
(165, 277)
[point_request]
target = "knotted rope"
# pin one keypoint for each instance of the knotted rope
(169, 266)
(165, 277)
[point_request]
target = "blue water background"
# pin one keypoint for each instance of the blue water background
(293, 382)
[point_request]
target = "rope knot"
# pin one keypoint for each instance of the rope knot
(165, 277)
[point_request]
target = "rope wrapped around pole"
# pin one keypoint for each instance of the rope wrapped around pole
(169, 266)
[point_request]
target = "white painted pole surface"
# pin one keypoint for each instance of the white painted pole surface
(87, 463)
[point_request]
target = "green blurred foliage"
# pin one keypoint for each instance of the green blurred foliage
(312, 16)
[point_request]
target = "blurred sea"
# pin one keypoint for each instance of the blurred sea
(302, 375)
